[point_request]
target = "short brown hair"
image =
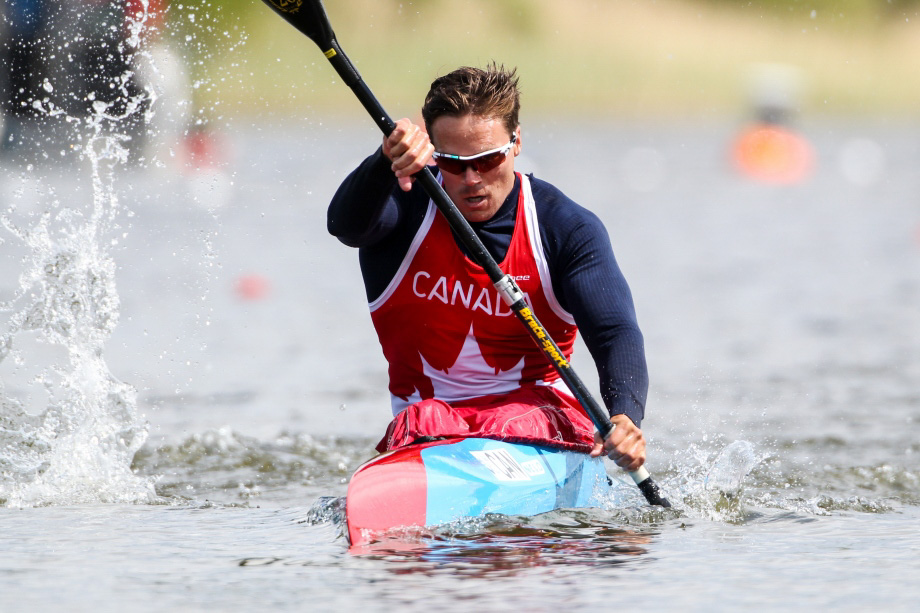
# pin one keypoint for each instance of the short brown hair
(489, 92)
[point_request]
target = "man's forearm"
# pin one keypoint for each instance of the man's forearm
(624, 376)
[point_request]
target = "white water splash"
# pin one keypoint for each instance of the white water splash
(710, 482)
(733, 464)
(79, 446)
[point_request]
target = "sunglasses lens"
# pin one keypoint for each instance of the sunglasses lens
(480, 164)
(454, 167)
(488, 162)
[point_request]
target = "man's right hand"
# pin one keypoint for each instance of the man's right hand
(410, 149)
(625, 444)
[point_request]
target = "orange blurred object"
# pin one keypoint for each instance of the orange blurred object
(773, 154)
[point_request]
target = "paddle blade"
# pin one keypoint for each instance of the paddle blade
(309, 17)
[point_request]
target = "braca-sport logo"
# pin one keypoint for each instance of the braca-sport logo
(288, 6)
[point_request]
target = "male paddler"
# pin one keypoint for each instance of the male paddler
(460, 363)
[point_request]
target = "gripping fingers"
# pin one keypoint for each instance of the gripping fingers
(414, 159)
(630, 452)
(409, 149)
(625, 444)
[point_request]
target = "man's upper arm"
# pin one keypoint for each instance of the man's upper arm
(593, 289)
(365, 208)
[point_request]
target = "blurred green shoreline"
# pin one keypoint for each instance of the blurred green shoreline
(616, 58)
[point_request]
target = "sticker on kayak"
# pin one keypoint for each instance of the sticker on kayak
(505, 468)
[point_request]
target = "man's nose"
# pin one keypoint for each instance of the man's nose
(471, 175)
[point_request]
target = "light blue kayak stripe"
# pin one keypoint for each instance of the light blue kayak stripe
(477, 476)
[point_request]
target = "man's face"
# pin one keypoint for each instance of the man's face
(477, 195)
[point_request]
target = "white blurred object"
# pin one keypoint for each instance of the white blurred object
(775, 91)
(861, 161)
(162, 72)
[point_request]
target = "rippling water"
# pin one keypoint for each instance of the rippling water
(783, 335)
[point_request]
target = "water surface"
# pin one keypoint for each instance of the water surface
(783, 336)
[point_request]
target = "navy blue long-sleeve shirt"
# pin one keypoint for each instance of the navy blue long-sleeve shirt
(371, 212)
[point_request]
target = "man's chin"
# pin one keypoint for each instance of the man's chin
(477, 216)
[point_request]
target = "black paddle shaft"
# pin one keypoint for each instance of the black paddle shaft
(309, 17)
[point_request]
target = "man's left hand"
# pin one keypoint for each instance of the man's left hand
(625, 444)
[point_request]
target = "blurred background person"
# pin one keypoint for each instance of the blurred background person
(23, 22)
(78, 59)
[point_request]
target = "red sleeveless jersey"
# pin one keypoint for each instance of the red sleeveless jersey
(445, 330)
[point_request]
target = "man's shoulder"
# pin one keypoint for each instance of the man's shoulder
(556, 210)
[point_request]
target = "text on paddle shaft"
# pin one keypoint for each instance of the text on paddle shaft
(543, 339)
(468, 295)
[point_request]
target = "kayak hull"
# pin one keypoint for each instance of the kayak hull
(434, 483)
